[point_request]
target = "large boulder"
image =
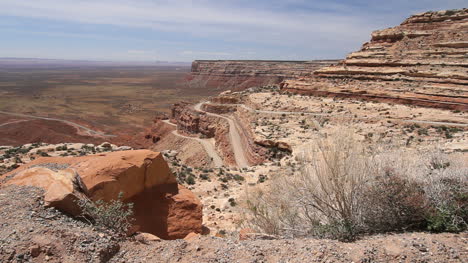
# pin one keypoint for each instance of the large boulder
(162, 207)
(62, 188)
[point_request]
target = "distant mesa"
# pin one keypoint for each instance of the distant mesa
(422, 62)
(243, 74)
(59, 63)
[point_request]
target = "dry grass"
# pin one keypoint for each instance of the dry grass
(344, 190)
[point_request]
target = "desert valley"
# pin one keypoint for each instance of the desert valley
(362, 159)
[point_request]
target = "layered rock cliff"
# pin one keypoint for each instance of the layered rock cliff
(242, 74)
(195, 123)
(421, 62)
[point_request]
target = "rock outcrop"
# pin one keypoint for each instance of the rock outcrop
(242, 74)
(193, 122)
(422, 62)
(62, 188)
(211, 124)
(162, 207)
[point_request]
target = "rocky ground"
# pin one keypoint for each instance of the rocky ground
(411, 247)
(31, 233)
(300, 118)
(12, 157)
(295, 121)
(50, 236)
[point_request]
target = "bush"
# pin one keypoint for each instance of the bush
(190, 180)
(324, 194)
(345, 190)
(232, 201)
(447, 191)
(392, 202)
(114, 215)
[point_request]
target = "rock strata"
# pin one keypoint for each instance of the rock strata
(242, 74)
(421, 62)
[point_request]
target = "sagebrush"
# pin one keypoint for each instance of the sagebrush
(345, 189)
(115, 215)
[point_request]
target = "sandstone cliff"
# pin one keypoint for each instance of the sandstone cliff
(242, 74)
(421, 62)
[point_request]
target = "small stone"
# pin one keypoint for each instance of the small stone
(423, 249)
(146, 238)
(35, 250)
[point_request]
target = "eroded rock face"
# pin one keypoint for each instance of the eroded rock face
(421, 62)
(219, 108)
(191, 121)
(243, 74)
(162, 207)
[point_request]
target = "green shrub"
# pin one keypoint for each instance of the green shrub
(204, 176)
(232, 201)
(190, 180)
(114, 215)
(392, 202)
(449, 211)
(345, 190)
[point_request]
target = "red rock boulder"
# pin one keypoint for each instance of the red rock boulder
(162, 207)
(62, 188)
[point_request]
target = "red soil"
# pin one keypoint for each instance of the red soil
(31, 131)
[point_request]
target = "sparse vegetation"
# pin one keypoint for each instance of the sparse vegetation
(345, 190)
(190, 180)
(115, 215)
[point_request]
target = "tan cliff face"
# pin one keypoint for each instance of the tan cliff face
(242, 74)
(421, 62)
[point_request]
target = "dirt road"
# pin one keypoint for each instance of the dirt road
(234, 136)
(206, 143)
(87, 130)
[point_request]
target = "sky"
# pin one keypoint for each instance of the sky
(183, 30)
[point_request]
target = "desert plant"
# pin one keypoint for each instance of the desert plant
(447, 190)
(393, 202)
(344, 190)
(114, 215)
(323, 194)
(190, 180)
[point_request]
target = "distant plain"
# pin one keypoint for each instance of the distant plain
(106, 98)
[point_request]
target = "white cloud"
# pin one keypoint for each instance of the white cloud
(205, 19)
(327, 29)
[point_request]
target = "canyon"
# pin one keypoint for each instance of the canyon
(404, 93)
(422, 62)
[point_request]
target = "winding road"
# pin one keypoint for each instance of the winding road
(206, 143)
(234, 136)
(236, 140)
(76, 125)
(282, 112)
(12, 122)
(453, 124)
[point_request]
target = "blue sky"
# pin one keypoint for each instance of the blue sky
(182, 30)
